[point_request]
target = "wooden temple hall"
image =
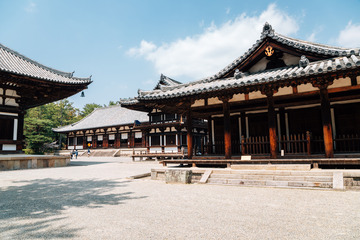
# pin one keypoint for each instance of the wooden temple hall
(283, 96)
(150, 131)
(24, 84)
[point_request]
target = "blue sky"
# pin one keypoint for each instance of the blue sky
(126, 45)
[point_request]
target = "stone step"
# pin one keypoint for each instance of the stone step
(272, 172)
(272, 183)
(293, 167)
(273, 177)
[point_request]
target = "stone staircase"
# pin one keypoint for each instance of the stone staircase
(299, 176)
(103, 153)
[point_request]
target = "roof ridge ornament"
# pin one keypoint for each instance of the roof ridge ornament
(267, 30)
(238, 74)
(304, 61)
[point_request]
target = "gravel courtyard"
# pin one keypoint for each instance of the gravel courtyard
(93, 199)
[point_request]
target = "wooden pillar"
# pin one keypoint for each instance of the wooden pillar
(210, 143)
(272, 123)
(227, 128)
(178, 136)
(105, 139)
(94, 140)
(20, 131)
(189, 135)
(326, 121)
(84, 140)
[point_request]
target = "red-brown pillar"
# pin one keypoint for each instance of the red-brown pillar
(94, 140)
(227, 128)
(326, 121)
(178, 136)
(105, 139)
(189, 136)
(84, 140)
(272, 125)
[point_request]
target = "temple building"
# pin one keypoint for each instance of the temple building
(24, 84)
(116, 127)
(283, 96)
(108, 127)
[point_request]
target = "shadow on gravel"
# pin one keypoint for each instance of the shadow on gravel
(41, 202)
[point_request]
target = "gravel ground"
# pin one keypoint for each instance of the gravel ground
(93, 199)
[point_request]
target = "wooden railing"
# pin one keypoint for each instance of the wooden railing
(259, 145)
(347, 143)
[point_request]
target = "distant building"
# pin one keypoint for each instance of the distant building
(119, 127)
(108, 127)
(24, 84)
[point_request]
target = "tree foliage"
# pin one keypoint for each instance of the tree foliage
(89, 108)
(40, 121)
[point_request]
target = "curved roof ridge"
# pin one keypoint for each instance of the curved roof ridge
(65, 74)
(331, 51)
(16, 54)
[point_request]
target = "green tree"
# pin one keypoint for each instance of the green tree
(89, 108)
(40, 121)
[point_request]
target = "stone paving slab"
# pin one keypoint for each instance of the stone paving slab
(93, 199)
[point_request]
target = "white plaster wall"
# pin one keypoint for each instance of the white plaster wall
(171, 149)
(9, 147)
(1, 91)
(284, 91)
(11, 93)
(341, 82)
(259, 66)
(11, 102)
(290, 59)
(358, 79)
(197, 103)
(155, 149)
(256, 95)
(306, 88)
(237, 97)
(215, 100)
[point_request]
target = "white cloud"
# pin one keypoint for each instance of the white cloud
(228, 10)
(312, 37)
(349, 37)
(202, 55)
(144, 49)
(31, 7)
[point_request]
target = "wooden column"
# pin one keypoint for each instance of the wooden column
(227, 128)
(210, 143)
(189, 135)
(84, 140)
(326, 121)
(178, 136)
(117, 138)
(272, 122)
(94, 140)
(20, 131)
(105, 139)
(323, 84)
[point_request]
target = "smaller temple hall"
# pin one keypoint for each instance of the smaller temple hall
(25, 83)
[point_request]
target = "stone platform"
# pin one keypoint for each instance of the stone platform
(22, 161)
(263, 175)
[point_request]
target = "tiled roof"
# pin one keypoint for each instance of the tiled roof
(312, 69)
(106, 117)
(268, 32)
(338, 59)
(166, 82)
(14, 62)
